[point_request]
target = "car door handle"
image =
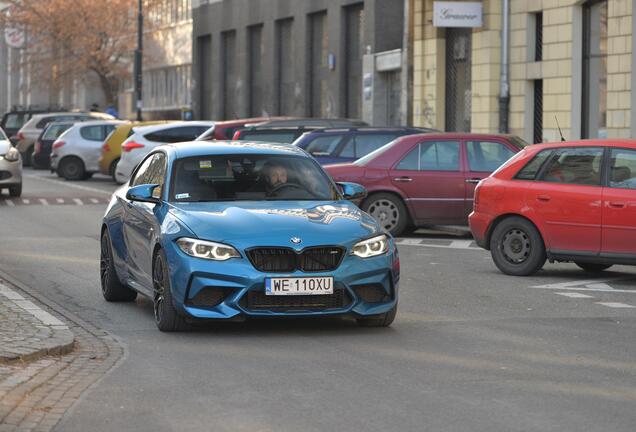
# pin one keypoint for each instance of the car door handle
(617, 204)
(473, 180)
(545, 198)
(403, 179)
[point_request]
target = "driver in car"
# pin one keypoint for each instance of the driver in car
(275, 176)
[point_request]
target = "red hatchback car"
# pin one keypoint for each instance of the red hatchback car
(426, 179)
(569, 201)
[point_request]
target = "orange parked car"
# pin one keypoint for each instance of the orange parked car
(568, 201)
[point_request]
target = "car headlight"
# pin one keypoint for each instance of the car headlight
(207, 249)
(372, 247)
(12, 155)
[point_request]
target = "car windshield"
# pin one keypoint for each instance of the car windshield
(243, 177)
(517, 142)
(15, 121)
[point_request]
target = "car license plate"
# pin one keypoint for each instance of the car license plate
(299, 286)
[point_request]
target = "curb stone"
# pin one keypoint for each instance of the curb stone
(27, 331)
(36, 396)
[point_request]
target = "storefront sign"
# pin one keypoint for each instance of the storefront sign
(457, 14)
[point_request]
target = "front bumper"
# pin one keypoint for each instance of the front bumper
(363, 287)
(10, 173)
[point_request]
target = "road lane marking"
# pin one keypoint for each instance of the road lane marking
(460, 244)
(67, 184)
(25, 201)
(78, 201)
(600, 285)
(60, 200)
(44, 201)
(574, 295)
(613, 290)
(10, 203)
(94, 200)
(616, 305)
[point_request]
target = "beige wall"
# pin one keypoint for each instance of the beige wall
(561, 68)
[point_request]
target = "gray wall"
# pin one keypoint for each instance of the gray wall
(382, 30)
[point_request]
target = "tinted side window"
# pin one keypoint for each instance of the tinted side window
(141, 176)
(44, 121)
(439, 156)
(574, 166)
(15, 121)
(487, 156)
(365, 144)
(411, 160)
(623, 169)
(532, 168)
(348, 151)
(324, 145)
(277, 137)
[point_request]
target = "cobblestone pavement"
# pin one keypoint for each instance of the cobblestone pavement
(34, 395)
(27, 332)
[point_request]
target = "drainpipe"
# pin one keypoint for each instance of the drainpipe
(504, 79)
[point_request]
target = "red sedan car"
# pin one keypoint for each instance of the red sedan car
(570, 201)
(426, 179)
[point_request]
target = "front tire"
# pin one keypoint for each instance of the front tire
(382, 320)
(517, 247)
(15, 191)
(111, 170)
(112, 289)
(71, 168)
(593, 268)
(166, 315)
(389, 211)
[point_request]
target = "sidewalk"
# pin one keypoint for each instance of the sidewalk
(27, 332)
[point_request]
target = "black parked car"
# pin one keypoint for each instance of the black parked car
(42, 149)
(288, 130)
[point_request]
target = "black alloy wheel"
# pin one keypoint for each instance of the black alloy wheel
(517, 247)
(112, 289)
(166, 316)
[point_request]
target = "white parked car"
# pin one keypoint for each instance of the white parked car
(74, 155)
(146, 138)
(10, 167)
(31, 130)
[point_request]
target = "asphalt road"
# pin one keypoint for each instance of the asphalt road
(471, 349)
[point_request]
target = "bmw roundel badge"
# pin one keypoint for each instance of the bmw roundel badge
(296, 240)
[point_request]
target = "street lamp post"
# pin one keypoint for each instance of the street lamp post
(138, 60)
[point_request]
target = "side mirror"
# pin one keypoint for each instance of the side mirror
(352, 191)
(143, 193)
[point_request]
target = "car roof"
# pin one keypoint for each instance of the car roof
(309, 122)
(99, 122)
(205, 148)
(369, 129)
(162, 126)
(611, 142)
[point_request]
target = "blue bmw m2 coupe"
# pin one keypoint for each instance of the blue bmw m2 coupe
(233, 230)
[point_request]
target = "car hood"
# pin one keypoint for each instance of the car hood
(274, 223)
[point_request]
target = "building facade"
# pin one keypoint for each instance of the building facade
(320, 58)
(570, 65)
(167, 64)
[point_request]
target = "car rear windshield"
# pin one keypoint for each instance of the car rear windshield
(15, 120)
(243, 177)
(517, 142)
(363, 160)
(54, 131)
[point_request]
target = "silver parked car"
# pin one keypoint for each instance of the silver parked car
(32, 129)
(10, 167)
(74, 155)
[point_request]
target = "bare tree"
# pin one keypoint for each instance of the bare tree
(69, 39)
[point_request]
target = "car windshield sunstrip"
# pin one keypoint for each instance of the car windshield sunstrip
(249, 178)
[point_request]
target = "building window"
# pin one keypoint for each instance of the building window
(284, 66)
(354, 39)
(594, 106)
(538, 37)
(458, 79)
(538, 112)
(255, 70)
(317, 55)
